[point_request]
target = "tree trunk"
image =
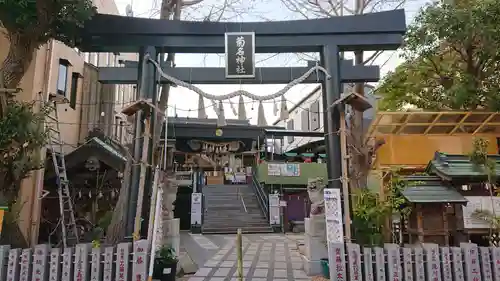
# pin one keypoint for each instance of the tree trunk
(116, 229)
(18, 59)
(357, 150)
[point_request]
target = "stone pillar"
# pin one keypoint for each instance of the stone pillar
(314, 244)
(169, 229)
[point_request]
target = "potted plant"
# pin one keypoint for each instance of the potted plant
(165, 264)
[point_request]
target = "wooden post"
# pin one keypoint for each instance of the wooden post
(239, 249)
(446, 226)
(142, 180)
(345, 182)
(420, 224)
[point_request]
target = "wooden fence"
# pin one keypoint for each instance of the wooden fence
(129, 262)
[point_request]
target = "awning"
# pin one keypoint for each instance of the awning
(425, 189)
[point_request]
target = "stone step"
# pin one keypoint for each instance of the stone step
(235, 223)
(232, 230)
(226, 220)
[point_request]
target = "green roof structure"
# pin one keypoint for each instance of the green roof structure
(430, 189)
(451, 167)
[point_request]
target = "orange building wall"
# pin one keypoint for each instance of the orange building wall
(418, 150)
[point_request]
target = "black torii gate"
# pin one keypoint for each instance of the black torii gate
(368, 32)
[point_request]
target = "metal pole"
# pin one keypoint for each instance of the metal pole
(145, 88)
(239, 249)
(142, 183)
(331, 115)
(154, 200)
(154, 236)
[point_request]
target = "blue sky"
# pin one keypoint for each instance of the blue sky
(185, 102)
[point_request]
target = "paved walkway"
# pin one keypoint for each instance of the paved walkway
(265, 258)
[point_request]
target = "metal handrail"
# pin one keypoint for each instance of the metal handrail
(243, 203)
(261, 196)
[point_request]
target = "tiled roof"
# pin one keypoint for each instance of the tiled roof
(430, 189)
(449, 167)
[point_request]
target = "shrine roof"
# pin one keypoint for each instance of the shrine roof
(94, 147)
(459, 167)
(430, 189)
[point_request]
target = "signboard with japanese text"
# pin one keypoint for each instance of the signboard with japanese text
(273, 169)
(456, 259)
(433, 265)
(446, 264)
(140, 262)
(495, 256)
(40, 262)
(25, 269)
(95, 267)
(380, 274)
(484, 253)
(419, 264)
(108, 264)
(196, 208)
(336, 255)
(479, 203)
(407, 265)
(354, 258)
(4, 253)
(274, 209)
(283, 170)
(122, 262)
(333, 215)
(13, 265)
(471, 262)
(81, 262)
(367, 264)
(67, 265)
(54, 268)
(394, 270)
(240, 54)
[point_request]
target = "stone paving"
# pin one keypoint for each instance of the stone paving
(265, 258)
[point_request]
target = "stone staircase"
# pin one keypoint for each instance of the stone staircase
(225, 213)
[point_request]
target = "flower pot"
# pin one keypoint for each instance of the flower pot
(325, 268)
(164, 271)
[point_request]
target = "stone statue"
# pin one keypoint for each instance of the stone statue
(315, 188)
(315, 228)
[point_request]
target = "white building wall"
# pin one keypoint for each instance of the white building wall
(308, 109)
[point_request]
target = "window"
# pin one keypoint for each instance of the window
(74, 89)
(289, 126)
(117, 126)
(304, 118)
(120, 134)
(86, 57)
(62, 78)
(314, 110)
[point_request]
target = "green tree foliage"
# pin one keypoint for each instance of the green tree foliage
(22, 136)
(31, 23)
(370, 212)
(451, 59)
